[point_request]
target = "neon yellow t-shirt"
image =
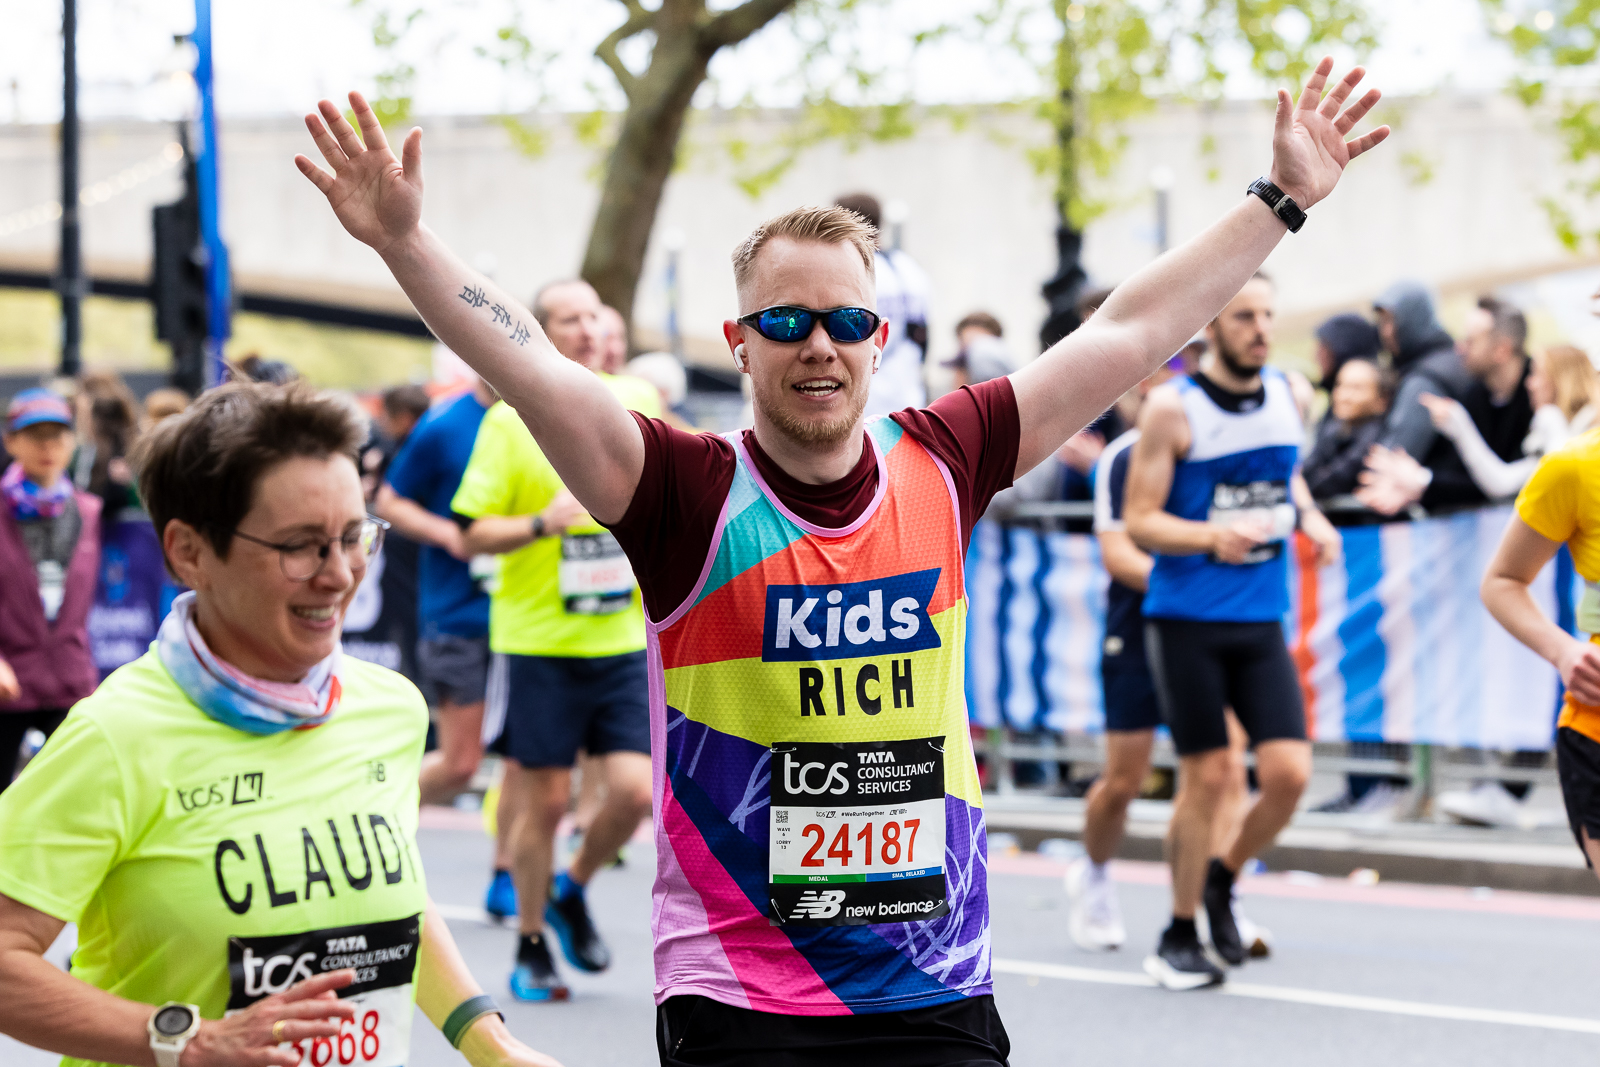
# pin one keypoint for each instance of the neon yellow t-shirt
(213, 867)
(1562, 502)
(570, 595)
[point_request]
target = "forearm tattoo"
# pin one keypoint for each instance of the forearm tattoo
(475, 298)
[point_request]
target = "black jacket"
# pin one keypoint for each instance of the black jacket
(1340, 453)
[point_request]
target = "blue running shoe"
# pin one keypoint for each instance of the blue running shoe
(567, 914)
(534, 977)
(501, 900)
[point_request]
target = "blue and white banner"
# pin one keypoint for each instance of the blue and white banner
(1392, 643)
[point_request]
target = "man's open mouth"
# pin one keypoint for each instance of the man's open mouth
(819, 387)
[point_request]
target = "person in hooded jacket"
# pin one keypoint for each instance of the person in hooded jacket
(1426, 361)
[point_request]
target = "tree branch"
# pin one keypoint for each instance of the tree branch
(734, 25)
(640, 19)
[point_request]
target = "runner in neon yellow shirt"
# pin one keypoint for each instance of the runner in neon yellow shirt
(567, 629)
(231, 818)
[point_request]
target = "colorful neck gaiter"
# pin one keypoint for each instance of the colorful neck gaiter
(234, 698)
(28, 501)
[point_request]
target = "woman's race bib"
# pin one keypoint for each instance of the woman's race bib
(594, 575)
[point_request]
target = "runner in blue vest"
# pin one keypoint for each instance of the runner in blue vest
(1215, 494)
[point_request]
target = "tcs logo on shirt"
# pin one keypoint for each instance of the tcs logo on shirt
(877, 617)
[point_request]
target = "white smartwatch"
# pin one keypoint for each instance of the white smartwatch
(171, 1028)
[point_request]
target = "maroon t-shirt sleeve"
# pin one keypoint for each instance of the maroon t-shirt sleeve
(976, 431)
(667, 528)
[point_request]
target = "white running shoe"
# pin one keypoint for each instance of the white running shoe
(1257, 939)
(1094, 921)
(1485, 804)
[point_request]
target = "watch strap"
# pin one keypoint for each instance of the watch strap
(536, 527)
(1281, 203)
(168, 1055)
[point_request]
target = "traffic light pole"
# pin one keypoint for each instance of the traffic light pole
(70, 282)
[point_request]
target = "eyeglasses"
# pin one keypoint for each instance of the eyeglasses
(786, 323)
(303, 558)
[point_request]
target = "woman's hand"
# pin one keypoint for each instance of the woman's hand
(308, 1009)
(1449, 417)
(1309, 151)
(488, 1043)
(376, 197)
(1579, 664)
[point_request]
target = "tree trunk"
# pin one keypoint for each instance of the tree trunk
(643, 156)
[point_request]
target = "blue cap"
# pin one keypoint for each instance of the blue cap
(33, 406)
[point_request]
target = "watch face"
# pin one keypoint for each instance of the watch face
(173, 1020)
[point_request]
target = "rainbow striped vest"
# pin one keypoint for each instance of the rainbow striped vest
(819, 822)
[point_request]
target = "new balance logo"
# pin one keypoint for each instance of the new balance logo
(818, 905)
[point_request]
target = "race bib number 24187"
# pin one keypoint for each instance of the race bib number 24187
(857, 832)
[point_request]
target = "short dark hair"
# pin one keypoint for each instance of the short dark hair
(1509, 322)
(201, 466)
(406, 400)
(864, 204)
(982, 320)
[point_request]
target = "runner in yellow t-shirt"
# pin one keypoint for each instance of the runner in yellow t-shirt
(567, 629)
(1561, 503)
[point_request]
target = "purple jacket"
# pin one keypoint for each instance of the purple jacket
(52, 662)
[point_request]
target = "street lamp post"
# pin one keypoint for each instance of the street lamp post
(1161, 182)
(1061, 291)
(70, 282)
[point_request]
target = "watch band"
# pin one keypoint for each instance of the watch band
(168, 1055)
(1281, 203)
(466, 1013)
(536, 527)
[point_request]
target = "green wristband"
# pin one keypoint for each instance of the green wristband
(468, 1012)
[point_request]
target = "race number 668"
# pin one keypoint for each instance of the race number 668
(356, 1042)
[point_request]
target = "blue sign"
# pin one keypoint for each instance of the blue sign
(877, 617)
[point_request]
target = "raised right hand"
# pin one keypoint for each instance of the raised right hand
(308, 1010)
(377, 198)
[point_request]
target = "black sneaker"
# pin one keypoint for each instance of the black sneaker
(1180, 963)
(534, 978)
(1221, 930)
(569, 917)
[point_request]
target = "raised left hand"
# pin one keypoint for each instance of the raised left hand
(1309, 150)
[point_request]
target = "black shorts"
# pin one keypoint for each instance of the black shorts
(695, 1031)
(1578, 764)
(452, 670)
(1202, 669)
(556, 705)
(1130, 697)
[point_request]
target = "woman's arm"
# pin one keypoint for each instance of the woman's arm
(1497, 478)
(443, 982)
(1523, 552)
(43, 1006)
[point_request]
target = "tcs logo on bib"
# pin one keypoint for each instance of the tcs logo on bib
(881, 616)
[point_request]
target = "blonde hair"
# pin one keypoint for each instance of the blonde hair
(1573, 378)
(828, 225)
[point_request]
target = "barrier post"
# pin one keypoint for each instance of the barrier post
(1421, 780)
(1005, 782)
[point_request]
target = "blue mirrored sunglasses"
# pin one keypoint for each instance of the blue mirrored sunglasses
(786, 323)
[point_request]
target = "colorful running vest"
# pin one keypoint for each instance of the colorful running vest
(819, 821)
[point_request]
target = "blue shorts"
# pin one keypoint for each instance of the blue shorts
(1130, 696)
(556, 705)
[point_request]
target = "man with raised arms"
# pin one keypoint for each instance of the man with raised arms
(804, 592)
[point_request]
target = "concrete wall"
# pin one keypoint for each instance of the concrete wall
(980, 220)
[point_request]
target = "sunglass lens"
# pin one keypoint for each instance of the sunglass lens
(851, 324)
(784, 324)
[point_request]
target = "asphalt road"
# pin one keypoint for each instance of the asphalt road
(1383, 975)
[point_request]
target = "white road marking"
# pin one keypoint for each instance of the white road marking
(1315, 997)
(466, 913)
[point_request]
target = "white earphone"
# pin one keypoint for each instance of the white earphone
(877, 357)
(738, 356)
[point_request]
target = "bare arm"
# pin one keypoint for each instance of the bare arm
(418, 523)
(1154, 312)
(494, 534)
(1125, 561)
(443, 982)
(1314, 523)
(589, 437)
(43, 1006)
(1523, 552)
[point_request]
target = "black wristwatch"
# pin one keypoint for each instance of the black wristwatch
(1281, 203)
(536, 527)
